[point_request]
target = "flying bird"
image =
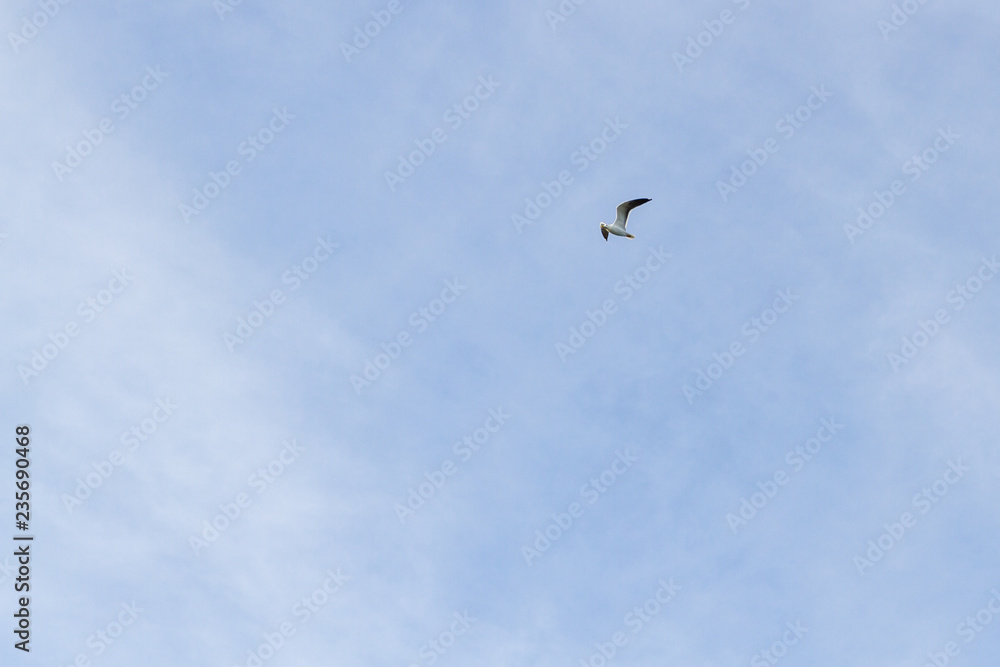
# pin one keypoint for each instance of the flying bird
(618, 228)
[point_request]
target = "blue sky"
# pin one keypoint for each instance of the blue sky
(290, 317)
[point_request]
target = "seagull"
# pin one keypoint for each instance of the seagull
(618, 229)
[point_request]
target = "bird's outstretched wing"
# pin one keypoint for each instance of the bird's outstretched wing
(604, 230)
(623, 210)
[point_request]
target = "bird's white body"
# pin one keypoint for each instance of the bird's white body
(621, 219)
(617, 231)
